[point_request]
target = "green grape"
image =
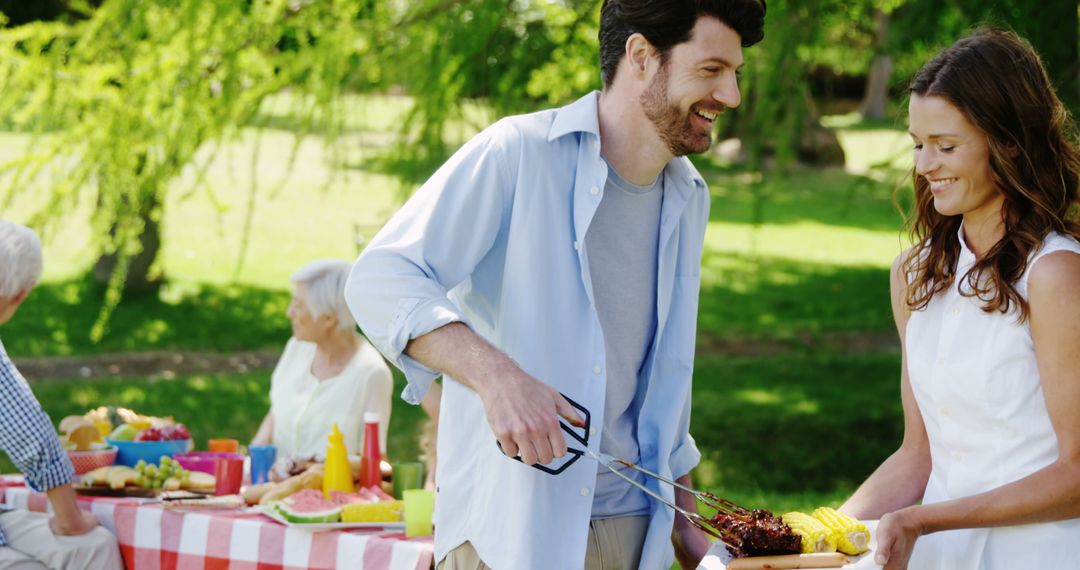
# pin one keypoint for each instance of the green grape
(140, 465)
(140, 480)
(165, 460)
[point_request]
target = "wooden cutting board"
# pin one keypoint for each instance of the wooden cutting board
(820, 560)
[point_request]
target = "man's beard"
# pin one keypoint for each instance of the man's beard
(673, 125)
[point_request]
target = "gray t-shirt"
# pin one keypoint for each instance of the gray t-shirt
(622, 250)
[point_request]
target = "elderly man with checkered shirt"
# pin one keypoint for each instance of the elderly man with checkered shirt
(70, 538)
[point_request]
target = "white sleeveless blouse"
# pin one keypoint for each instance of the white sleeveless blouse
(976, 381)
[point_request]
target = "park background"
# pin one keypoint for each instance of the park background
(181, 158)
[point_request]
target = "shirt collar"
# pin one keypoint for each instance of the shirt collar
(966, 257)
(581, 116)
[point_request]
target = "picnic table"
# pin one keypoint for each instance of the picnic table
(152, 537)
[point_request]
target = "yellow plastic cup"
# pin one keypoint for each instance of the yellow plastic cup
(419, 506)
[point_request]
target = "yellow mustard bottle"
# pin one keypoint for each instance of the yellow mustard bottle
(338, 475)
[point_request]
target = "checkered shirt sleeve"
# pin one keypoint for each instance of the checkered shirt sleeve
(27, 434)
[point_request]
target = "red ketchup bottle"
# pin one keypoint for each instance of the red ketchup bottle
(370, 473)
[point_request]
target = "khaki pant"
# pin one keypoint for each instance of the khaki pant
(614, 544)
(32, 545)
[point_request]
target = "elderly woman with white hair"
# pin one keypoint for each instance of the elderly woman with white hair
(69, 538)
(328, 373)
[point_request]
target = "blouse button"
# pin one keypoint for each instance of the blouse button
(596, 370)
(584, 491)
(594, 190)
(955, 311)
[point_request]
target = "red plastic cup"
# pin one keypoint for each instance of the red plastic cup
(228, 474)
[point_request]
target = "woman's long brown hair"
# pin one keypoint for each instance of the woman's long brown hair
(997, 81)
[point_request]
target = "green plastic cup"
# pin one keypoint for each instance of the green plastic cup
(419, 505)
(407, 475)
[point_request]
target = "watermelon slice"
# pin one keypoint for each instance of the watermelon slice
(308, 506)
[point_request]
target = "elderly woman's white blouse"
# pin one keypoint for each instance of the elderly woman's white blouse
(976, 380)
(305, 408)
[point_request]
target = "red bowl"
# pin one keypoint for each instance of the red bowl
(202, 460)
(87, 461)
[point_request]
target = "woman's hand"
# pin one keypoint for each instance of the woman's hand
(896, 536)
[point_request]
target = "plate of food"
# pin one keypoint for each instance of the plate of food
(144, 480)
(310, 510)
(859, 556)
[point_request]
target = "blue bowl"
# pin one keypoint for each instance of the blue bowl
(130, 452)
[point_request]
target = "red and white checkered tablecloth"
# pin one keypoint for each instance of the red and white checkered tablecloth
(153, 538)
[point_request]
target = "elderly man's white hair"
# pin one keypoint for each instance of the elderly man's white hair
(324, 280)
(20, 258)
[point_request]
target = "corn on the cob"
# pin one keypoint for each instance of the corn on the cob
(816, 537)
(851, 535)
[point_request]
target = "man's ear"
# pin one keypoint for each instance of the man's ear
(638, 53)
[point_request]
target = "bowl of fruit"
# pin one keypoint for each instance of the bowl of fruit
(149, 444)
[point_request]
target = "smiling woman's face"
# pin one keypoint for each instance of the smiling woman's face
(953, 156)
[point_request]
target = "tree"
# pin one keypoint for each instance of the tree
(120, 103)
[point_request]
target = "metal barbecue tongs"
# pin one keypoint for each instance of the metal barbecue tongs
(722, 505)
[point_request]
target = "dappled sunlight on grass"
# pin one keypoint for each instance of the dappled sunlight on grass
(796, 424)
(769, 297)
(56, 320)
(791, 400)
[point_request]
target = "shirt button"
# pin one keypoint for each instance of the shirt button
(957, 455)
(944, 411)
(584, 491)
(941, 360)
(955, 311)
(592, 432)
(596, 369)
(594, 190)
(577, 246)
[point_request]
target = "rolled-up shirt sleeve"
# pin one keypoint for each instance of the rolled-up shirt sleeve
(27, 434)
(397, 289)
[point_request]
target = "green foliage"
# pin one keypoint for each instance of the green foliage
(121, 103)
(514, 55)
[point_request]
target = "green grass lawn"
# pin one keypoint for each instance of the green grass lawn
(784, 432)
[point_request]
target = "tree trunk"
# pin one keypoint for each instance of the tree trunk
(139, 277)
(877, 83)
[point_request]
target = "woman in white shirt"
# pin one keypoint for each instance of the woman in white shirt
(987, 303)
(328, 373)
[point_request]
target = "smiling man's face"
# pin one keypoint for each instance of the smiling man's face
(696, 83)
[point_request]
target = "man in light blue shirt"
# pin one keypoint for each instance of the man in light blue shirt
(486, 276)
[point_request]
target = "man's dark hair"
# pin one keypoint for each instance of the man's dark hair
(667, 23)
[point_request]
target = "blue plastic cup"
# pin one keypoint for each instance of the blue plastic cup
(262, 459)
